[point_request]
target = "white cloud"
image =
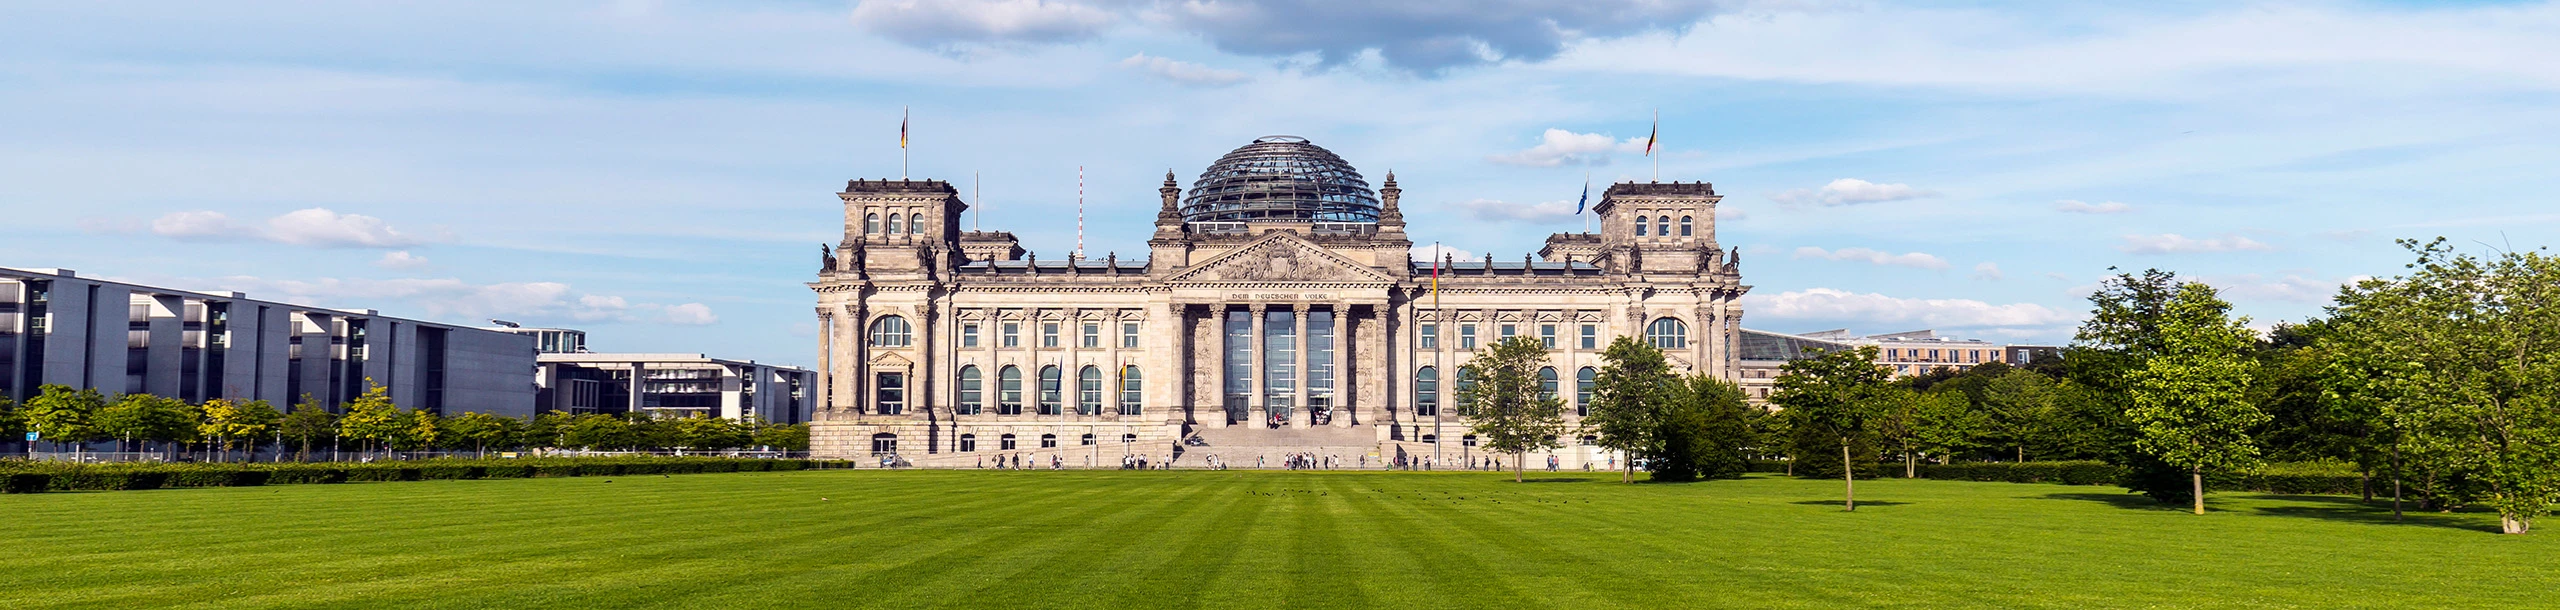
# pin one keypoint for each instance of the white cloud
(1921, 260)
(1493, 210)
(1184, 73)
(309, 227)
(200, 226)
(2292, 288)
(1841, 306)
(1430, 252)
(2172, 243)
(1851, 191)
(948, 24)
(1726, 212)
(2082, 207)
(1988, 271)
(402, 260)
(321, 227)
(1560, 147)
(688, 314)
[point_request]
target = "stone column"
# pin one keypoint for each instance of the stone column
(826, 363)
(1217, 377)
(1301, 416)
(1378, 367)
(1168, 365)
(1257, 409)
(1111, 370)
(1070, 394)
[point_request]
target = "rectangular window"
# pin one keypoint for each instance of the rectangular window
(891, 392)
(1547, 335)
(1279, 358)
(1590, 336)
(1509, 330)
(1466, 336)
(1128, 334)
(1933, 355)
(1048, 334)
(972, 388)
(1239, 364)
(1092, 335)
(1008, 442)
(1012, 335)
(1430, 335)
(969, 335)
(1319, 356)
(968, 443)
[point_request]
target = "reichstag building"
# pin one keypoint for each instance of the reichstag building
(1280, 310)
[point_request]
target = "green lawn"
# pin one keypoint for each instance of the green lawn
(1234, 539)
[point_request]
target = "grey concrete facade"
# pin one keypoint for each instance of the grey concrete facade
(119, 338)
(676, 385)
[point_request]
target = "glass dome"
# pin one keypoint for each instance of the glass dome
(1280, 179)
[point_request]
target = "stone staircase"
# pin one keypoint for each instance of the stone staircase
(1244, 447)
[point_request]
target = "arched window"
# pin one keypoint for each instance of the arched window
(1048, 441)
(1089, 391)
(968, 443)
(915, 223)
(1466, 392)
(1049, 390)
(1667, 333)
(1431, 439)
(1547, 383)
(891, 331)
(884, 443)
(1662, 226)
(1426, 392)
(1009, 392)
(1641, 222)
(1086, 440)
(1131, 389)
(972, 386)
(1582, 382)
(1128, 438)
(1008, 442)
(1684, 226)
(871, 223)
(896, 224)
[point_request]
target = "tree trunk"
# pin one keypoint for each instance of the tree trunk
(2198, 477)
(1848, 479)
(2022, 454)
(1516, 460)
(2395, 482)
(2364, 480)
(1630, 476)
(2512, 524)
(1910, 465)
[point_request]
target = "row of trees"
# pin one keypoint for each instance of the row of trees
(371, 422)
(1683, 427)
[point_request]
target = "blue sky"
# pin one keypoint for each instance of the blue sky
(661, 173)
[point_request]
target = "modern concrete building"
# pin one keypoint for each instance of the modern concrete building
(1762, 353)
(675, 385)
(118, 338)
(1920, 351)
(548, 340)
(1278, 310)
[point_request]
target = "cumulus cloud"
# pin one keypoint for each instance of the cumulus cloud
(401, 259)
(2082, 207)
(1989, 271)
(1921, 260)
(1843, 307)
(688, 314)
(1498, 211)
(950, 25)
(1182, 72)
(1851, 191)
(1431, 252)
(455, 301)
(311, 227)
(1425, 37)
(1560, 147)
(200, 226)
(2172, 243)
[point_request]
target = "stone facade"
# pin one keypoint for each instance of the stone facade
(1244, 339)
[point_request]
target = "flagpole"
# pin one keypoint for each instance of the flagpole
(1577, 208)
(975, 220)
(904, 115)
(1657, 133)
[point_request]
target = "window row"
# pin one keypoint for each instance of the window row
(1661, 226)
(911, 224)
(1091, 391)
(1426, 390)
(894, 331)
(1665, 333)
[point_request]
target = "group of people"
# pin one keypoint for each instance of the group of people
(1310, 461)
(1013, 461)
(1140, 462)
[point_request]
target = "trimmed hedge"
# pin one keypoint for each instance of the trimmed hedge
(2066, 473)
(34, 477)
(2281, 478)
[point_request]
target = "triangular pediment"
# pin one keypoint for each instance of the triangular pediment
(891, 360)
(1280, 257)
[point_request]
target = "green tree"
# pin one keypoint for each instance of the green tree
(128, 418)
(2021, 405)
(64, 415)
(1831, 398)
(372, 419)
(1513, 414)
(1897, 420)
(1946, 424)
(2121, 335)
(710, 433)
(418, 430)
(13, 423)
(1628, 397)
(794, 437)
(2191, 402)
(597, 431)
(1704, 431)
(480, 430)
(308, 423)
(225, 420)
(2463, 349)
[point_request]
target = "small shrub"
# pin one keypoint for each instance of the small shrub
(448, 471)
(556, 470)
(381, 472)
(506, 471)
(599, 469)
(25, 482)
(298, 474)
